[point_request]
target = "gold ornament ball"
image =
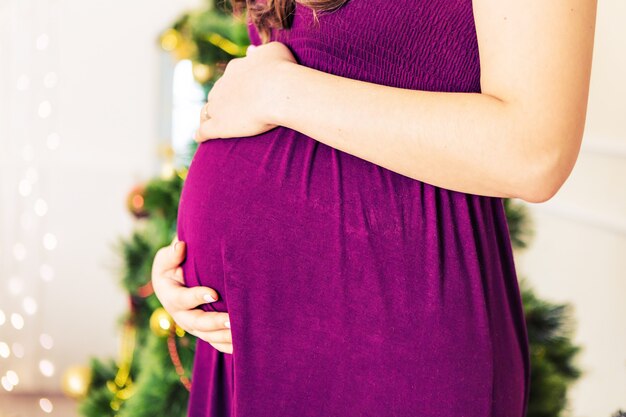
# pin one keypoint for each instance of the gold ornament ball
(202, 72)
(185, 49)
(182, 173)
(166, 152)
(179, 331)
(161, 322)
(76, 381)
(170, 39)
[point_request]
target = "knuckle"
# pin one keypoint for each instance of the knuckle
(215, 321)
(184, 324)
(196, 323)
(179, 301)
(227, 336)
(191, 328)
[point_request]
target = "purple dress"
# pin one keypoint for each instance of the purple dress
(354, 290)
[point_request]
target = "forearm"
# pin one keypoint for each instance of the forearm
(467, 142)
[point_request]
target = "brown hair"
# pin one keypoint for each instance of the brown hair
(279, 13)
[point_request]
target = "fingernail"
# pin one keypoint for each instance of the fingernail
(227, 324)
(208, 298)
(176, 246)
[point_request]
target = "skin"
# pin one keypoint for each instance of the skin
(181, 301)
(518, 138)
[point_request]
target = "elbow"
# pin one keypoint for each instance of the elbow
(547, 171)
(547, 148)
(541, 190)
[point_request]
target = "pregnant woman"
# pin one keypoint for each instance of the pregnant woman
(345, 205)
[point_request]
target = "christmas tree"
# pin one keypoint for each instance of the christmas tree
(152, 374)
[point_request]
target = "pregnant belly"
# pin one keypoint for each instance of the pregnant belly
(279, 217)
(236, 193)
(292, 200)
(316, 253)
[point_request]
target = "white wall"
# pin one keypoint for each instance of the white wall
(105, 108)
(579, 253)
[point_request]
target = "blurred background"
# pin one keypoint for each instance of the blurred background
(98, 103)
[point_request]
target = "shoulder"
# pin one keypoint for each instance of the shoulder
(535, 48)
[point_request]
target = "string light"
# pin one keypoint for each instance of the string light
(41, 207)
(4, 350)
(53, 141)
(45, 108)
(32, 81)
(13, 378)
(30, 305)
(25, 188)
(50, 80)
(46, 405)
(46, 341)
(18, 350)
(6, 384)
(42, 41)
(23, 82)
(46, 367)
(17, 321)
(16, 286)
(49, 241)
(46, 272)
(19, 252)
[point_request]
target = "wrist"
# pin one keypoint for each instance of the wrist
(279, 93)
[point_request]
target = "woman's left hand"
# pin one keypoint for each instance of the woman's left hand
(240, 101)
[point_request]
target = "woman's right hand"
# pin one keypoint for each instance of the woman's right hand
(181, 301)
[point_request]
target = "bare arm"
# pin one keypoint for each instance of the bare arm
(519, 138)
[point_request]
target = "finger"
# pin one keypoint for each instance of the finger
(179, 297)
(207, 130)
(178, 275)
(174, 294)
(201, 321)
(250, 49)
(223, 347)
(216, 336)
(196, 136)
(204, 115)
(167, 258)
(195, 296)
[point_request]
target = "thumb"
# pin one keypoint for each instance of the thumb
(168, 258)
(175, 254)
